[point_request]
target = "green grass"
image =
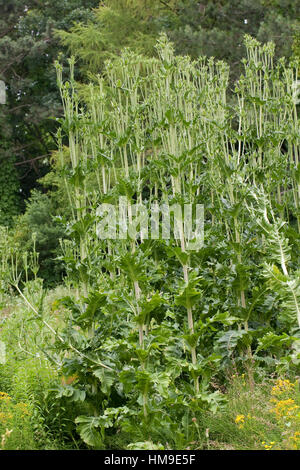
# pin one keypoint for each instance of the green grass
(26, 377)
(248, 422)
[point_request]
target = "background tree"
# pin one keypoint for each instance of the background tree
(27, 51)
(211, 28)
(216, 28)
(118, 24)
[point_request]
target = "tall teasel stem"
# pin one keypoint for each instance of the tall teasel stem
(162, 130)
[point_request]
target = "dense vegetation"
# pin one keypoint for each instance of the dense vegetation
(135, 342)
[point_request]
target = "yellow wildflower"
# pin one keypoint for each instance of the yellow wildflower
(4, 396)
(240, 420)
(282, 386)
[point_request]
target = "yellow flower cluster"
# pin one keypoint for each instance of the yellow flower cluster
(284, 408)
(4, 417)
(4, 396)
(23, 407)
(240, 421)
(8, 409)
(13, 417)
(295, 440)
(268, 446)
(281, 386)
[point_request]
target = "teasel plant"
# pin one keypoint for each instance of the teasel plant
(281, 275)
(5, 264)
(261, 122)
(269, 114)
(179, 93)
(164, 131)
(77, 168)
(247, 140)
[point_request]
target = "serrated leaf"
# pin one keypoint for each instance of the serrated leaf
(87, 427)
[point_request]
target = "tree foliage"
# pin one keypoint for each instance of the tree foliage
(196, 28)
(27, 51)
